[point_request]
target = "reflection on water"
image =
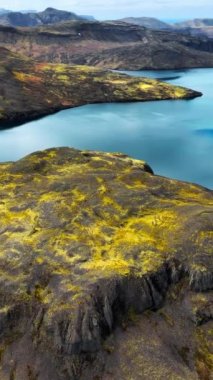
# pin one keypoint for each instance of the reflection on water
(174, 137)
(169, 78)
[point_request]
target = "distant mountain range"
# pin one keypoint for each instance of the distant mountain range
(147, 22)
(196, 23)
(196, 27)
(88, 17)
(3, 11)
(31, 19)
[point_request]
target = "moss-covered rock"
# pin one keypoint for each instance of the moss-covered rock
(88, 242)
(30, 90)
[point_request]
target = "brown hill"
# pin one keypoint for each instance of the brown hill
(113, 45)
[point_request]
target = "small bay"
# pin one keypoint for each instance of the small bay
(174, 137)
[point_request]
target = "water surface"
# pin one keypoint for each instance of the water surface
(174, 137)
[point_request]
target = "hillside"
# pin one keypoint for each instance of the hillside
(115, 45)
(106, 270)
(29, 90)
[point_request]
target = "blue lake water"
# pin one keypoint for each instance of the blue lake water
(174, 137)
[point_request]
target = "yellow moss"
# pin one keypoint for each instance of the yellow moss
(204, 356)
(118, 81)
(145, 86)
(110, 264)
(199, 297)
(18, 218)
(25, 77)
(79, 196)
(193, 194)
(42, 294)
(106, 200)
(153, 232)
(5, 309)
(59, 68)
(179, 92)
(199, 267)
(84, 68)
(49, 197)
(92, 228)
(64, 78)
(39, 260)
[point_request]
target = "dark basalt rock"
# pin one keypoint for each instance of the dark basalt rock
(106, 270)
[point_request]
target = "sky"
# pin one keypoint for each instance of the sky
(112, 9)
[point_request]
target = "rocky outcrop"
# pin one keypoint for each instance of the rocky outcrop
(106, 270)
(114, 45)
(30, 90)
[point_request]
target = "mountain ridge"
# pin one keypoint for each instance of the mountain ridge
(105, 44)
(197, 27)
(148, 22)
(48, 16)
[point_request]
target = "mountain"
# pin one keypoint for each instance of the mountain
(27, 11)
(3, 11)
(196, 23)
(148, 22)
(49, 16)
(29, 90)
(197, 27)
(106, 270)
(115, 45)
(87, 17)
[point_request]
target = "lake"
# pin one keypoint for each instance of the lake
(175, 137)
